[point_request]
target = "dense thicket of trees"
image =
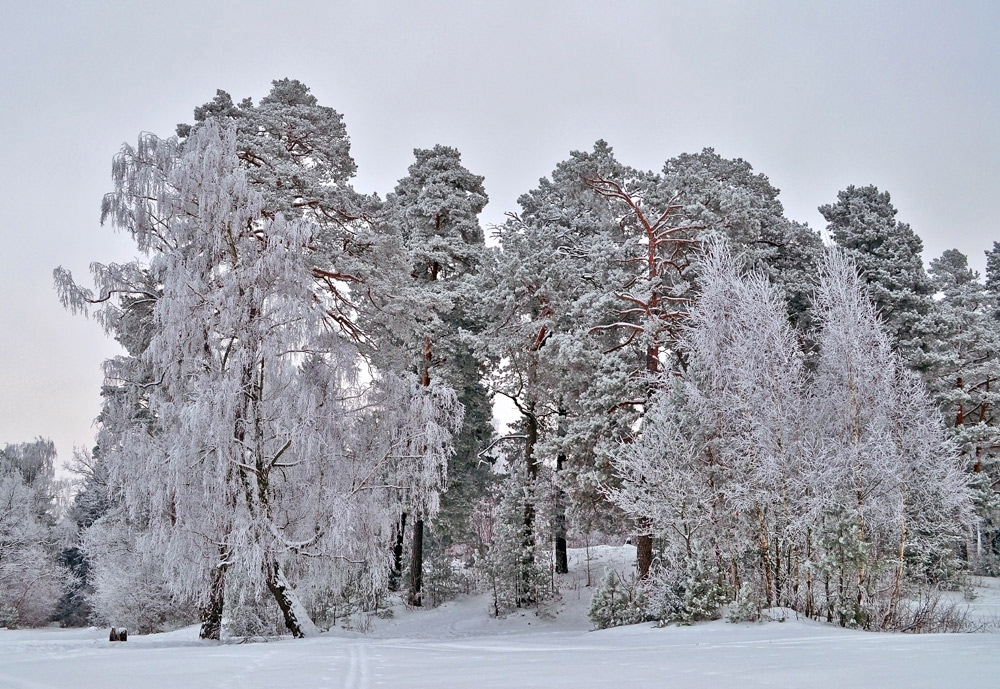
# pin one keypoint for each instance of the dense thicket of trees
(31, 579)
(301, 418)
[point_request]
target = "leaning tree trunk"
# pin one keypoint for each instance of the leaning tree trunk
(296, 618)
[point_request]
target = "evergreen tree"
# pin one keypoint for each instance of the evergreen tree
(887, 253)
(90, 503)
(964, 370)
(545, 289)
(727, 197)
(963, 375)
(435, 209)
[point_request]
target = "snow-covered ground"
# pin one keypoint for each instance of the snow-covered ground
(458, 645)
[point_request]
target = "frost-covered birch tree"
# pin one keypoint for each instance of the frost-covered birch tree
(31, 580)
(884, 461)
(831, 493)
(718, 460)
(255, 452)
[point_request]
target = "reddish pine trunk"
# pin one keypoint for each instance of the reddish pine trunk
(644, 554)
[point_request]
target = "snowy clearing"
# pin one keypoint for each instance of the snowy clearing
(458, 645)
(717, 654)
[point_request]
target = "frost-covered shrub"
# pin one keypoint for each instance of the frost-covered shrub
(687, 593)
(745, 607)
(130, 589)
(249, 618)
(446, 577)
(619, 600)
(30, 587)
(512, 568)
(336, 600)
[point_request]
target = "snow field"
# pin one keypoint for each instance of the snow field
(458, 645)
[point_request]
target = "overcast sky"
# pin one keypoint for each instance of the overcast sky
(816, 95)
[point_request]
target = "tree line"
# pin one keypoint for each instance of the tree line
(300, 422)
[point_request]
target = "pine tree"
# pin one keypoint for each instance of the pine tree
(963, 374)
(887, 253)
(435, 209)
(544, 291)
(90, 503)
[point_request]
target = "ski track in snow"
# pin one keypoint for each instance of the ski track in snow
(357, 676)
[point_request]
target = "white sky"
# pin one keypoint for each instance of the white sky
(816, 95)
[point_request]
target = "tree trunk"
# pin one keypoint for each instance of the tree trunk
(528, 535)
(415, 597)
(644, 542)
(417, 565)
(644, 554)
(562, 560)
(211, 613)
(765, 556)
(297, 620)
(397, 554)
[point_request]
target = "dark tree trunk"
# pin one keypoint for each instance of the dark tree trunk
(528, 539)
(562, 560)
(417, 564)
(644, 554)
(211, 614)
(397, 554)
(415, 598)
